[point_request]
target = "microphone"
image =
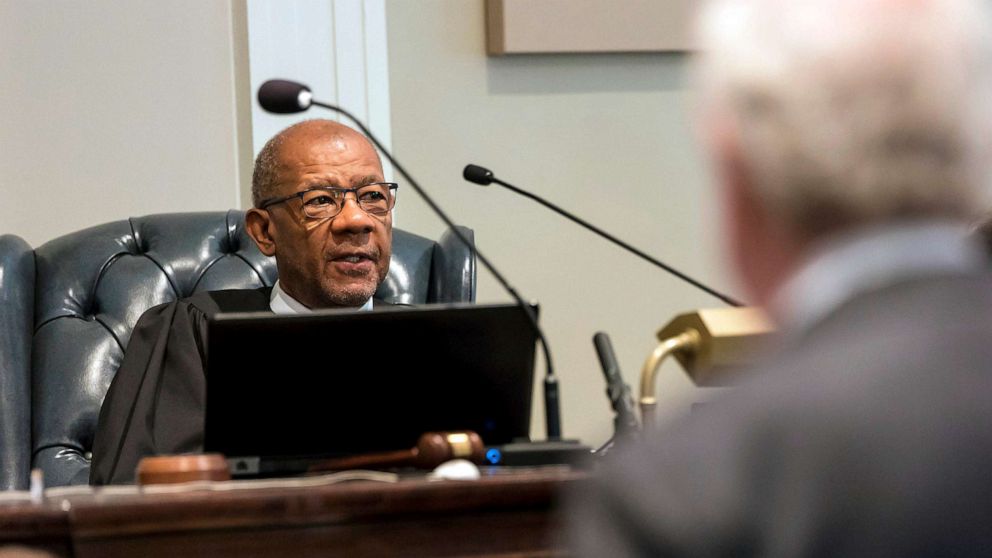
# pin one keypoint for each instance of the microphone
(484, 177)
(480, 175)
(625, 422)
(284, 96)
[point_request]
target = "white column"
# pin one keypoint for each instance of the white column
(337, 47)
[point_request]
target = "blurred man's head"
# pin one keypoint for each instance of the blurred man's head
(829, 115)
(332, 248)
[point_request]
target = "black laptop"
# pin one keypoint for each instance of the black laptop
(286, 391)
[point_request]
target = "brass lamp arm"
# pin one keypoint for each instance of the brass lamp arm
(689, 339)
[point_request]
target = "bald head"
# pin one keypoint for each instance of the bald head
(264, 182)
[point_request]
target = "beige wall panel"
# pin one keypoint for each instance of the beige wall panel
(550, 26)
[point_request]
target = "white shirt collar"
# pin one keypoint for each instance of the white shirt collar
(281, 303)
(871, 258)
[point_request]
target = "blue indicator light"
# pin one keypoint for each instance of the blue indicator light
(494, 456)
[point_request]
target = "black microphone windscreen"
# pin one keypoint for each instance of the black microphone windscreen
(477, 174)
(283, 96)
(608, 360)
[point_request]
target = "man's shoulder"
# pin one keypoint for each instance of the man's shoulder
(931, 299)
(214, 302)
(231, 300)
(892, 329)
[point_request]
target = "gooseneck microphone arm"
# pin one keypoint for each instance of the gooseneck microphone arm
(483, 176)
(282, 96)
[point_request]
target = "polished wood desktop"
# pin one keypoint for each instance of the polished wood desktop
(504, 514)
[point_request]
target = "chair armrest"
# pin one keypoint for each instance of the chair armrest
(63, 465)
(17, 276)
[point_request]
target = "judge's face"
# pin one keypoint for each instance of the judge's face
(323, 263)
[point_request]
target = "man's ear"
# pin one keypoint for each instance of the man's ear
(764, 249)
(743, 224)
(259, 226)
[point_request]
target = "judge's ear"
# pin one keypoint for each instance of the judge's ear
(259, 226)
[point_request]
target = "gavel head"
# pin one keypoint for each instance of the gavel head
(434, 448)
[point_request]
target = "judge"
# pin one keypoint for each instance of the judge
(323, 210)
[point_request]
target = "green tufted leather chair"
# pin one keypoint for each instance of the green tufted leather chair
(67, 309)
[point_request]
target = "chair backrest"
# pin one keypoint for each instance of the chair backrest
(91, 286)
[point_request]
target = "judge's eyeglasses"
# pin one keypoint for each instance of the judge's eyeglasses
(325, 202)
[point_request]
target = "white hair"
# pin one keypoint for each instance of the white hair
(854, 111)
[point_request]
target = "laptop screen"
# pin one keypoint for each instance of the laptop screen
(338, 383)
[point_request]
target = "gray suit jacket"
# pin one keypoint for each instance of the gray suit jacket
(869, 436)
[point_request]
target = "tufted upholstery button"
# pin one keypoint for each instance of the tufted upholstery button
(136, 244)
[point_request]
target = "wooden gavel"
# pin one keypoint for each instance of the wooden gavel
(432, 449)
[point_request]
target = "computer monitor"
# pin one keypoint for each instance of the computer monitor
(283, 391)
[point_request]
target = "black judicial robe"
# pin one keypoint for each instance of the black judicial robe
(155, 404)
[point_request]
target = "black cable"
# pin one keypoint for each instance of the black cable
(617, 241)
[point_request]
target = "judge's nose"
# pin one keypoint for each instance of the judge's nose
(352, 219)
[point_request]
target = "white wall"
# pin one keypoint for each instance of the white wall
(117, 108)
(608, 137)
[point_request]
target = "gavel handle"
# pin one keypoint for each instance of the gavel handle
(432, 449)
(399, 458)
